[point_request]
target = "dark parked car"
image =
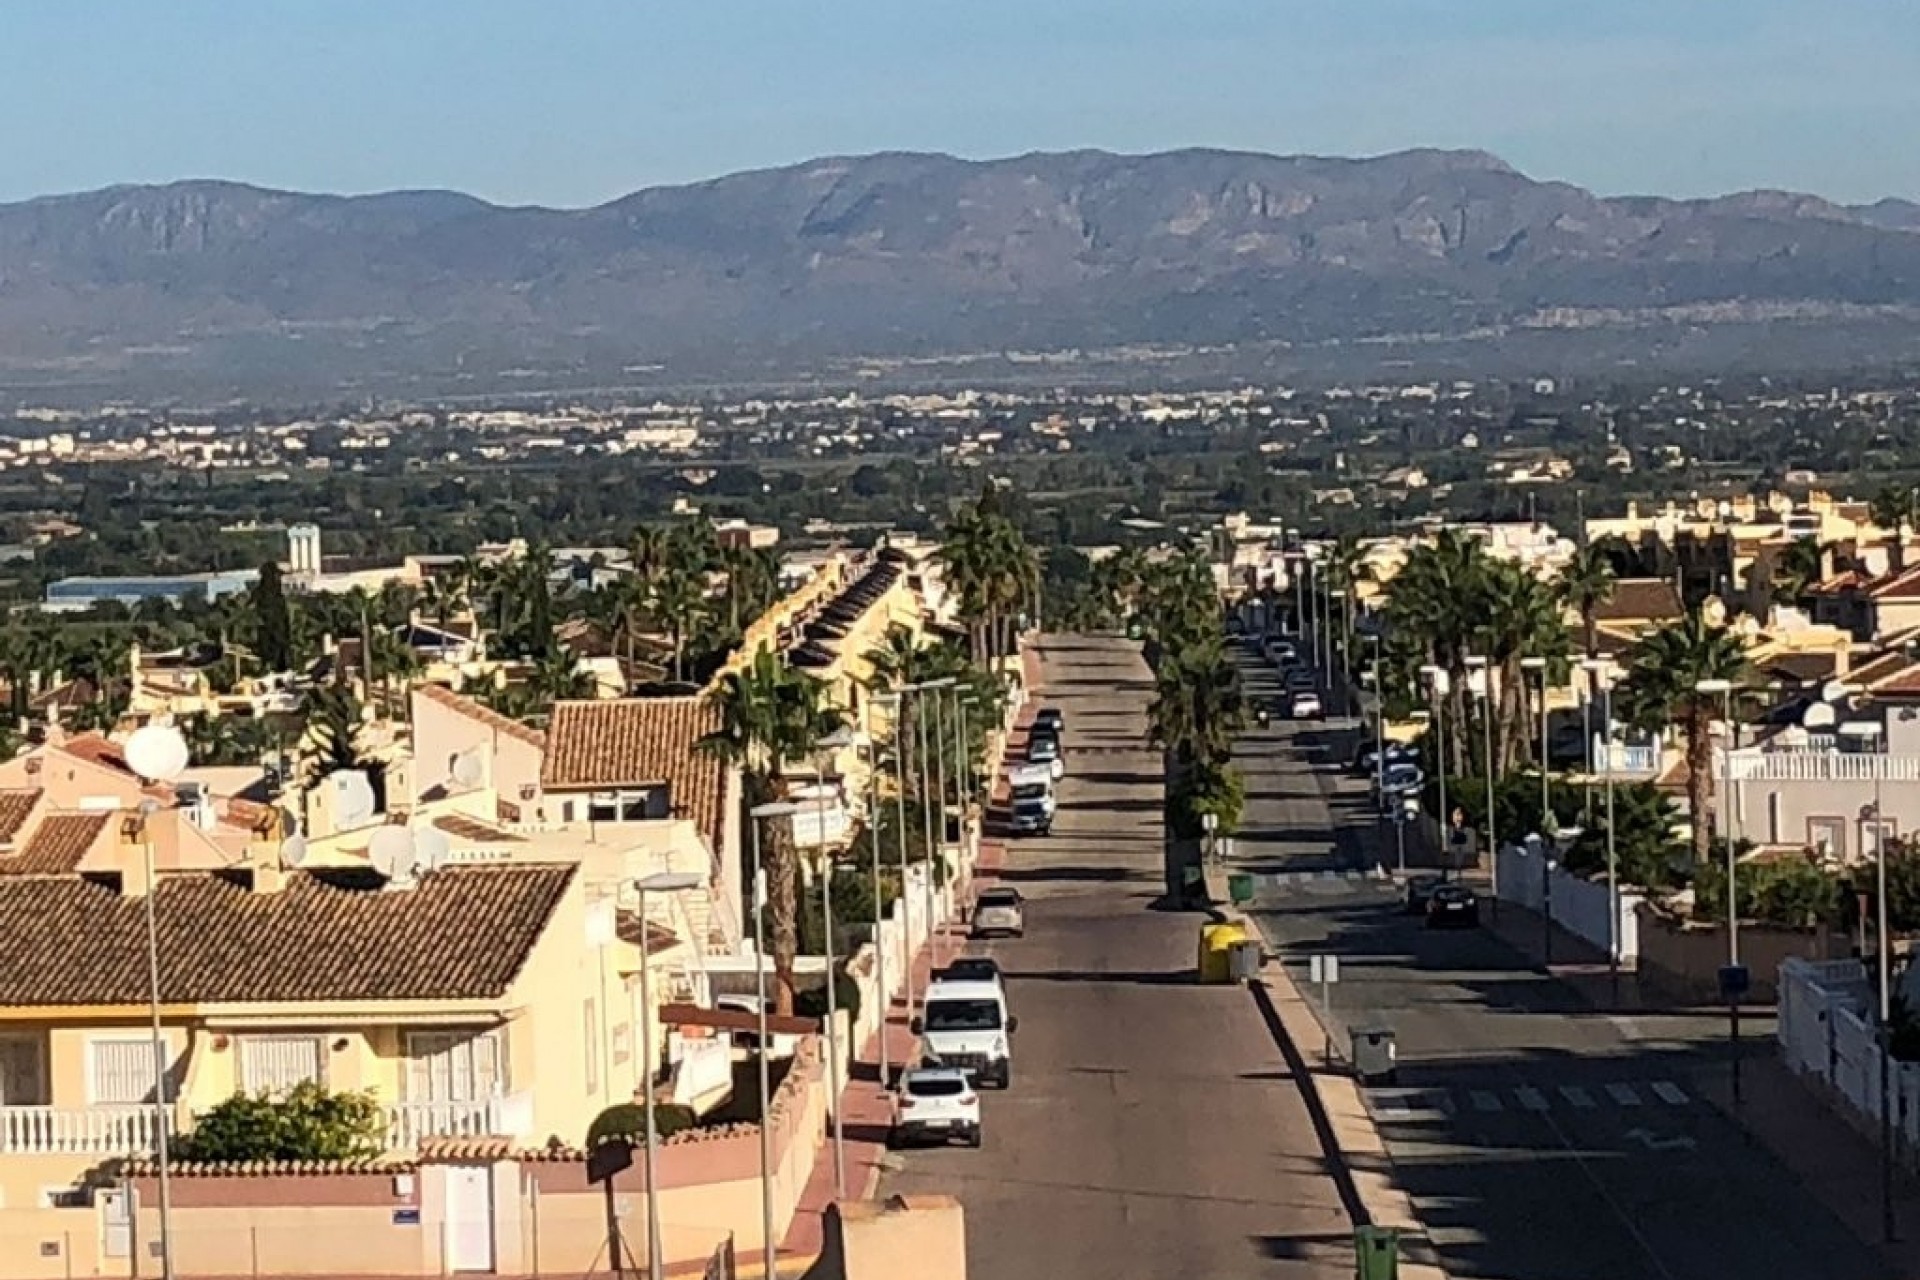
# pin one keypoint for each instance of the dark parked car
(1050, 720)
(970, 969)
(1452, 904)
(1419, 891)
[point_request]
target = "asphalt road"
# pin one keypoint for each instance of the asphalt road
(1152, 1130)
(1540, 1140)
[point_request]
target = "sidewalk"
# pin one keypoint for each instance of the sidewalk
(866, 1107)
(1786, 1115)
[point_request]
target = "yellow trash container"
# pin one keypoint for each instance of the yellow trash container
(1216, 950)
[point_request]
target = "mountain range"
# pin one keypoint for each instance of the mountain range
(901, 255)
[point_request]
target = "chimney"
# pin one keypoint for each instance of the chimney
(265, 871)
(134, 853)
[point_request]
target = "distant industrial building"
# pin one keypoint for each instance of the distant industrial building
(85, 592)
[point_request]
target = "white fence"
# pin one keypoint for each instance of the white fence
(1827, 1033)
(1579, 906)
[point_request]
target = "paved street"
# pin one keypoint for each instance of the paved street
(1539, 1139)
(1152, 1130)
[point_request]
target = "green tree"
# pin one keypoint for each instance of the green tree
(307, 1122)
(1648, 851)
(770, 716)
(1661, 691)
(273, 625)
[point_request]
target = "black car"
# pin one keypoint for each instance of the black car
(1452, 904)
(970, 969)
(1050, 720)
(1366, 757)
(1419, 892)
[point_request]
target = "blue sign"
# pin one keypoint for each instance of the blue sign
(406, 1217)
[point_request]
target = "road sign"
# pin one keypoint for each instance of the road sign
(1324, 969)
(1735, 981)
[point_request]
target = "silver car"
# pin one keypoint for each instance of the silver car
(999, 911)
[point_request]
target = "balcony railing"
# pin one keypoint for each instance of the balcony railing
(409, 1123)
(1822, 766)
(87, 1131)
(1628, 758)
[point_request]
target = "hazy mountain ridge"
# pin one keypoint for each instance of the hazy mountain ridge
(905, 253)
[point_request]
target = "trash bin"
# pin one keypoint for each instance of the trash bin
(1216, 950)
(1243, 961)
(1376, 1253)
(1375, 1057)
(1240, 888)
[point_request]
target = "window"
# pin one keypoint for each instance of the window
(23, 1079)
(455, 1066)
(1828, 836)
(590, 1021)
(1872, 833)
(275, 1064)
(121, 1072)
(623, 806)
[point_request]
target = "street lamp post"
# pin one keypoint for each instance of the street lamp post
(1480, 681)
(1379, 722)
(158, 753)
(766, 1087)
(928, 804)
(1601, 681)
(1441, 684)
(663, 882)
(824, 752)
(1724, 688)
(1539, 666)
(1868, 732)
(879, 898)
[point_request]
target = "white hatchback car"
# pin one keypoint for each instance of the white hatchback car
(935, 1104)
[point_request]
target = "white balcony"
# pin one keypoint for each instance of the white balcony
(410, 1123)
(83, 1131)
(1629, 759)
(1821, 766)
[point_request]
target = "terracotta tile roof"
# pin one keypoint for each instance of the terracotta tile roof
(97, 749)
(483, 714)
(1902, 684)
(1805, 668)
(1896, 586)
(459, 824)
(631, 742)
(57, 845)
(15, 806)
(1885, 666)
(1641, 600)
(658, 937)
(462, 934)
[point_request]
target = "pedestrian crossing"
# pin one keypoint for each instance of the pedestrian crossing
(1619, 1095)
(1323, 881)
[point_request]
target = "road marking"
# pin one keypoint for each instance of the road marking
(1654, 1142)
(1401, 1103)
(1669, 1093)
(1329, 875)
(1531, 1098)
(1623, 1094)
(1485, 1101)
(1353, 877)
(1577, 1096)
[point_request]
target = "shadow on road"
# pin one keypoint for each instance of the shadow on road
(1149, 978)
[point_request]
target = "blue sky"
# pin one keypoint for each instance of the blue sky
(571, 102)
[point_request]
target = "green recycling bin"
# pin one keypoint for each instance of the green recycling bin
(1240, 888)
(1376, 1253)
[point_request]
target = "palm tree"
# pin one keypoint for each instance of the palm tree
(1664, 672)
(679, 600)
(1585, 583)
(770, 715)
(1896, 509)
(992, 569)
(1520, 619)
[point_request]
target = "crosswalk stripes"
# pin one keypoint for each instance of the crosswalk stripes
(1409, 1103)
(1321, 880)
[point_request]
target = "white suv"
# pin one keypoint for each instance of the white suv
(935, 1104)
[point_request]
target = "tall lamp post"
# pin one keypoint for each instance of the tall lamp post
(825, 756)
(1867, 734)
(1538, 666)
(929, 802)
(1601, 681)
(1480, 682)
(1441, 683)
(663, 882)
(1724, 690)
(892, 702)
(158, 753)
(759, 813)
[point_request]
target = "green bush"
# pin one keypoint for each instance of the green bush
(628, 1120)
(307, 1122)
(812, 1003)
(1220, 791)
(1792, 891)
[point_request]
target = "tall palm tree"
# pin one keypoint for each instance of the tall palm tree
(679, 600)
(992, 569)
(771, 715)
(1585, 583)
(1521, 619)
(1664, 671)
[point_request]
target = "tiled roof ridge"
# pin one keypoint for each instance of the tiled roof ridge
(479, 711)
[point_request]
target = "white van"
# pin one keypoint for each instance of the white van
(965, 1023)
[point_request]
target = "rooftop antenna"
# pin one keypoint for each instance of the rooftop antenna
(391, 854)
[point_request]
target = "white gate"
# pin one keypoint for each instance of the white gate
(469, 1217)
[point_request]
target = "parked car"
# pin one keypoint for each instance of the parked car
(1366, 757)
(1299, 678)
(1044, 748)
(1031, 815)
(999, 910)
(968, 1025)
(935, 1104)
(1419, 890)
(969, 969)
(1400, 778)
(1452, 905)
(1306, 706)
(1051, 720)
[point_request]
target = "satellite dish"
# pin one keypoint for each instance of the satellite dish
(293, 850)
(1834, 690)
(289, 822)
(467, 770)
(1820, 715)
(391, 853)
(353, 800)
(157, 752)
(431, 848)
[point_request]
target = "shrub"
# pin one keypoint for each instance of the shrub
(628, 1120)
(812, 1003)
(307, 1122)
